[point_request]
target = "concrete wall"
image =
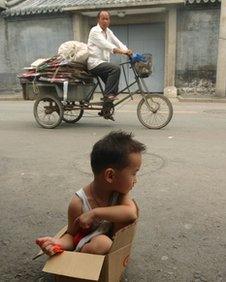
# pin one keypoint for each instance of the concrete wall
(81, 27)
(23, 40)
(197, 45)
(221, 60)
(4, 60)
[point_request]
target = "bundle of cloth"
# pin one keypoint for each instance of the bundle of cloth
(68, 65)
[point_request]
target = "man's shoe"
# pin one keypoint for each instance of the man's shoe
(101, 113)
(113, 97)
(110, 98)
(106, 115)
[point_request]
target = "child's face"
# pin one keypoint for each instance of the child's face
(126, 177)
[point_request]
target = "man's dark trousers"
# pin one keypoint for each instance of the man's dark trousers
(110, 74)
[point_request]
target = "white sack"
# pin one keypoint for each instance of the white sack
(74, 51)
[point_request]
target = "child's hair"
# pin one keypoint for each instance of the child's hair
(113, 150)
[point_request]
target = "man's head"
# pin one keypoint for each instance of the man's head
(114, 151)
(103, 19)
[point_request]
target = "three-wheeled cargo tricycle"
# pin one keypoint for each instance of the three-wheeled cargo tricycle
(64, 101)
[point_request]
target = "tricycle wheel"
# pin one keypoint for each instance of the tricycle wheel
(71, 114)
(154, 111)
(48, 111)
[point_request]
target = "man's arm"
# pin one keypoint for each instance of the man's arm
(117, 42)
(116, 47)
(121, 48)
(97, 39)
(122, 52)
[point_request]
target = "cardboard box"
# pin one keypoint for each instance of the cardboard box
(75, 266)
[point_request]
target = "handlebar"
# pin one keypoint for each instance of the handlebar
(137, 57)
(134, 58)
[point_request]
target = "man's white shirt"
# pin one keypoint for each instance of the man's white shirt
(100, 46)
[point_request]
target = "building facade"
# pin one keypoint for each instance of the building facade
(186, 38)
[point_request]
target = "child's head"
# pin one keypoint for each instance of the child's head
(117, 152)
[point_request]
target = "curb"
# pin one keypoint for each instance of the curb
(19, 97)
(11, 97)
(202, 100)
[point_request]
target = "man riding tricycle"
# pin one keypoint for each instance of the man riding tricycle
(64, 93)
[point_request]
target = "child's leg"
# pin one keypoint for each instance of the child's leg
(99, 245)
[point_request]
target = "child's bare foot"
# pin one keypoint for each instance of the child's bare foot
(49, 245)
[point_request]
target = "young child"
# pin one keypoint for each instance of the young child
(105, 202)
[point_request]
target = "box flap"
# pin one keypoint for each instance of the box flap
(117, 261)
(76, 265)
(61, 232)
(123, 237)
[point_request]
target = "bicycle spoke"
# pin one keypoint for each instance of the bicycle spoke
(48, 112)
(154, 111)
(71, 114)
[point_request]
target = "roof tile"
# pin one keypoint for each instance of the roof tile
(201, 1)
(27, 7)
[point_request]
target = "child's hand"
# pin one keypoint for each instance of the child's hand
(49, 245)
(86, 220)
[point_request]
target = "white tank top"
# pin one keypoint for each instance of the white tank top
(100, 227)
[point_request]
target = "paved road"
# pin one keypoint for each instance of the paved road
(181, 189)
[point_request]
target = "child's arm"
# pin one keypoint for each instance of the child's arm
(48, 244)
(125, 212)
